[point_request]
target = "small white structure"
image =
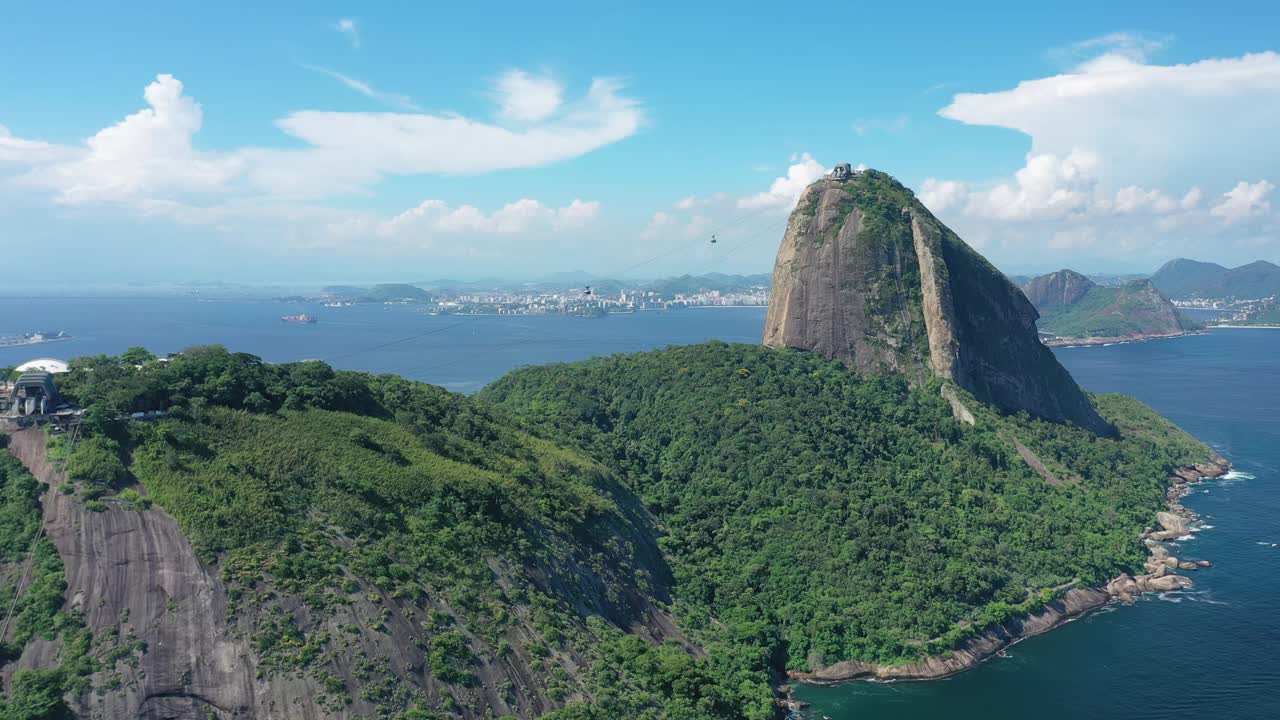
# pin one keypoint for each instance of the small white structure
(49, 365)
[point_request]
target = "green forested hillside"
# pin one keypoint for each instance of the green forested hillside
(823, 516)
(323, 494)
(780, 510)
(1134, 309)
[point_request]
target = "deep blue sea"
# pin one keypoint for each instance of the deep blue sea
(462, 353)
(1213, 652)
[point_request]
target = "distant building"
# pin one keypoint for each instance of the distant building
(842, 172)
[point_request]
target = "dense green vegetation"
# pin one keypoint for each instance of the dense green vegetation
(343, 489)
(1135, 308)
(787, 512)
(815, 516)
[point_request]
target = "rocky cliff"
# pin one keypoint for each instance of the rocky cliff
(1063, 287)
(866, 274)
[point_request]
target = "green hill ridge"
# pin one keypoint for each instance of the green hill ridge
(1074, 309)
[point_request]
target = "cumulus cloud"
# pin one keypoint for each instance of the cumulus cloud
(1132, 199)
(526, 98)
(785, 190)
(348, 27)
(1244, 201)
(147, 153)
(356, 149)
(1204, 119)
(400, 101)
(942, 195)
(1123, 152)
(521, 216)
(1048, 186)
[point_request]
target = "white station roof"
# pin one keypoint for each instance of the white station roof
(49, 365)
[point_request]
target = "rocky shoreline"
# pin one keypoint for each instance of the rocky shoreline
(1113, 340)
(1175, 522)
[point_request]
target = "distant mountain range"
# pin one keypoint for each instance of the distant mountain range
(1076, 310)
(386, 292)
(1185, 279)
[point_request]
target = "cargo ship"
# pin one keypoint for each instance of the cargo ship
(302, 319)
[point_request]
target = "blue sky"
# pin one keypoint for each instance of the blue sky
(326, 141)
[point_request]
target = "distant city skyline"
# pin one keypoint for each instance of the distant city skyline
(328, 142)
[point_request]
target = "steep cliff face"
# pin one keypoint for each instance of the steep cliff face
(1063, 287)
(867, 275)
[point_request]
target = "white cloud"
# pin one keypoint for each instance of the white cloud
(17, 151)
(351, 150)
(148, 153)
(1132, 199)
(400, 101)
(348, 27)
(1046, 187)
(785, 190)
(1191, 199)
(150, 156)
(1244, 201)
(1122, 155)
(1130, 46)
(660, 222)
(1205, 119)
(524, 215)
(526, 98)
(942, 195)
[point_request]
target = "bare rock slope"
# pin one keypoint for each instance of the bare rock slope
(135, 573)
(866, 274)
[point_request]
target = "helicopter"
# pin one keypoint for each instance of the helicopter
(713, 239)
(586, 290)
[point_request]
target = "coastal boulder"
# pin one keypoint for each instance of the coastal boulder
(1172, 523)
(1163, 583)
(867, 275)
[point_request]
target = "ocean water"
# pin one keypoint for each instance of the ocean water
(1211, 652)
(462, 353)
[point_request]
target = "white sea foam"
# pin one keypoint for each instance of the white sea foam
(1205, 527)
(1184, 538)
(1170, 597)
(1237, 475)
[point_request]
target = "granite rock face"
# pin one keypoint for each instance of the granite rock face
(1064, 287)
(865, 274)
